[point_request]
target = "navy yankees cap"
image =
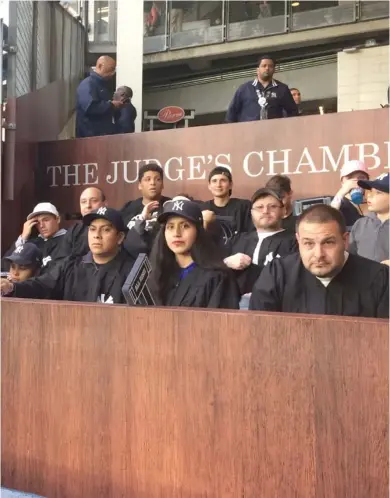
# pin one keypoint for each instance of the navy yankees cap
(26, 254)
(382, 183)
(180, 207)
(106, 213)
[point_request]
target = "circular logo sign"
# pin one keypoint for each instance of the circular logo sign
(171, 114)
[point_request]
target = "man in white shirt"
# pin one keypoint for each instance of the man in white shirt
(251, 251)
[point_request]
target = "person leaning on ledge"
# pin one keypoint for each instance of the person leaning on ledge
(262, 98)
(323, 278)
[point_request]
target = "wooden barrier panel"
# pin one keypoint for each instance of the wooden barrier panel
(310, 149)
(110, 401)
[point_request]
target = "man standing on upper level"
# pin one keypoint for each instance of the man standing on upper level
(263, 98)
(94, 108)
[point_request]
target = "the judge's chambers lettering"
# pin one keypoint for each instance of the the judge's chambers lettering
(254, 164)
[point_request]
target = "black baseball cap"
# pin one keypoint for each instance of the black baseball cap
(186, 209)
(106, 213)
(263, 192)
(220, 170)
(382, 183)
(27, 254)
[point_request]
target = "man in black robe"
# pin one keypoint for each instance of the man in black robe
(248, 253)
(75, 242)
(323, 278)
(96, 277)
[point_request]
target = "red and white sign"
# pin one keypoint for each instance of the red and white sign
(171, 114)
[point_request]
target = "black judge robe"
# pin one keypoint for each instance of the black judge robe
(360, 289)
(278, 245)
(202, 288)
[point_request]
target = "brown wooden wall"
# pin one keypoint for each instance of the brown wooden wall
(308, 149)
(108, 401)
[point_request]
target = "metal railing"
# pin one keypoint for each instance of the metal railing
(46, 46)
(172, 25)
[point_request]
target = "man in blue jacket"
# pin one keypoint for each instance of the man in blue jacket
(263, 98)
(95, 109)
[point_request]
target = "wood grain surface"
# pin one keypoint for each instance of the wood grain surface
(110, 401)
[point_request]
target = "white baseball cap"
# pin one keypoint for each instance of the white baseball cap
(353, 167)
(43, 208)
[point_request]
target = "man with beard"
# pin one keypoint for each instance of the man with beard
(263, 98)
(250, 252)
(323, 278)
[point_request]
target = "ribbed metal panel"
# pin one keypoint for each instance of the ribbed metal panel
(24, 35)
(43, 44)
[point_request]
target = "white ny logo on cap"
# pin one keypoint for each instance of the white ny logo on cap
(382, 176)
(102, 211)
(178, 206)
(19, 249)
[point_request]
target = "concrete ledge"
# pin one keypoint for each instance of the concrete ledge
(274, 42)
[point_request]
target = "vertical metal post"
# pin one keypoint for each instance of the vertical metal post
(169, 24)
(358, 6)
(86, 34)
(112, 21)
(34, 46)
(288, 21)
(166, 25)
(10, 112)
(224, 18)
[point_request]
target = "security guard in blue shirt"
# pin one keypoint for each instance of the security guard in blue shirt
(263, 98)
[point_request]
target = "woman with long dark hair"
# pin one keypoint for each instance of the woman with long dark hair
(187, 266)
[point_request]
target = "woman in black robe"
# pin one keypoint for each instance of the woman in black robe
(187, 266)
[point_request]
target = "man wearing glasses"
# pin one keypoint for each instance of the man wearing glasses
(249, 252)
